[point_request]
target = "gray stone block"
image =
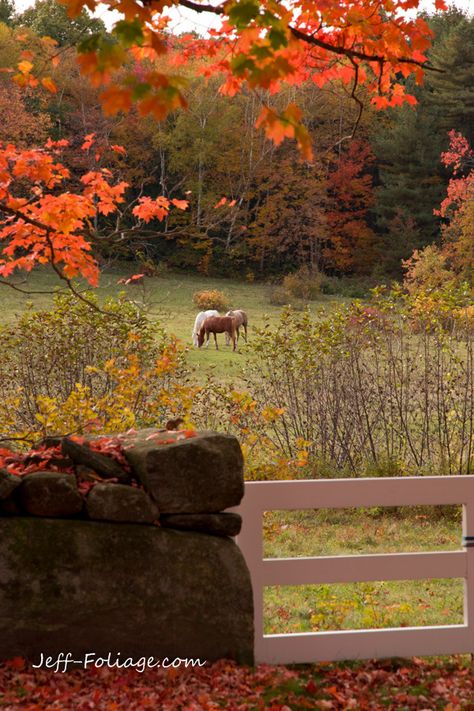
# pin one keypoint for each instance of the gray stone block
(8, 483)
(50, 494)
(120, 503)
(202, 474)
(221, 524)
(82, 586)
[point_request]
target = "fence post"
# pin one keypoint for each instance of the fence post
(468, 545)
(250, 541)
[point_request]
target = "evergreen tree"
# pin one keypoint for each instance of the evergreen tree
(451, 93)
(7, 12)
(49, 18)
(411, 182)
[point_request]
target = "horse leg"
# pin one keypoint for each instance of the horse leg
(245, 332)
(215, 339)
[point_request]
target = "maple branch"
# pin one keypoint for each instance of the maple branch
(30, 440)
(26, 291)
(47, 234)
(315, 41)
(360, 104)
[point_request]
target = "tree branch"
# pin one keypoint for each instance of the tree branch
(315, 41)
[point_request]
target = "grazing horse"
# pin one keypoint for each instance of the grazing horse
(240, 320)
(200, 318)
(218, 324)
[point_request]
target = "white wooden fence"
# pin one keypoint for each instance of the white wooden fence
(345, 493)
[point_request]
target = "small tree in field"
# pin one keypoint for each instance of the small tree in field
(458, 206)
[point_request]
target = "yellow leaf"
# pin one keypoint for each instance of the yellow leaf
(25, 66)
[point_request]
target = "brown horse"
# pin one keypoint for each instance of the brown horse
(218, 324)
(241, 320)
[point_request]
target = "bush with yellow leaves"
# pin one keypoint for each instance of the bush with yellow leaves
(80, 369)
(211, 299)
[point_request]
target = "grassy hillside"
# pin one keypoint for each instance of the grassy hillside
(168, 299)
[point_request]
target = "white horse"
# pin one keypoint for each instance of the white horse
(200, 318)
(241, 320)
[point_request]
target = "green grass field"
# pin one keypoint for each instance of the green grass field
(304, 608)
(168, 299)
(312, 608)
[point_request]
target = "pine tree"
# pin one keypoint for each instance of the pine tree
(411, 182)
(451, 93)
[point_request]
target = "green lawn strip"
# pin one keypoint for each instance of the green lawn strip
(375, 604)
(368, 605)
(344, 531)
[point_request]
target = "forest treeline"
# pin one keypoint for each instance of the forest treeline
(256, 209)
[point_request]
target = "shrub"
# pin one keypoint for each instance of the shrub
(211, 299)
(359, 389)
(278, 296)
(303, 284)
(427, 269)
(74, 368)
(296, 289)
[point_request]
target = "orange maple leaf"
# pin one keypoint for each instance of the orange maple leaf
(180, 204)
(49, 84)
(115, 99)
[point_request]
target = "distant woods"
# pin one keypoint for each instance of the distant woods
(364, 204)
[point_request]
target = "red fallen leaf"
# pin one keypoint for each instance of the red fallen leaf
(311, 687)
(332, 691)
(85, 486)
(119, 149)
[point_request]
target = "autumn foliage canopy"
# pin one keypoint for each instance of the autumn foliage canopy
(258, 45)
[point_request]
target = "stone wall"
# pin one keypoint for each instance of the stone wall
(126, 552)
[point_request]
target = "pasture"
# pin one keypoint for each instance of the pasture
(168, 299)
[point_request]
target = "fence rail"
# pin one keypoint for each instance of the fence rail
(348, 493)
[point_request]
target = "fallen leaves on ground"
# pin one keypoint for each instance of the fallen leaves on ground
(446, 684)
